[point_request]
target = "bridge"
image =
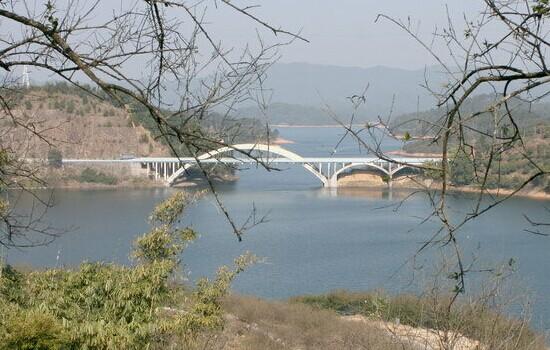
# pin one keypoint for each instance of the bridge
(325, 169)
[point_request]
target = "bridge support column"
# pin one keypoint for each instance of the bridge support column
(332, 182)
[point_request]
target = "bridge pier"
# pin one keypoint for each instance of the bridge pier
(332, 181)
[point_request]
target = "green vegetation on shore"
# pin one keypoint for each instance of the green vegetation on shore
(93, 176)
(108, 306)
(479, 157)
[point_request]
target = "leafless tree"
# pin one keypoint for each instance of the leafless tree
(502, 53)
(138, 55)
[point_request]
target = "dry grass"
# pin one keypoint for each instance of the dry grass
(258, 324)
(345, 320)
(475, 321)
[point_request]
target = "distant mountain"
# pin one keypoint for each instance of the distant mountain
(301, 91)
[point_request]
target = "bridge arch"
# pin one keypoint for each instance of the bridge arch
(401, 167)
(334, 178)
(333, 181)
(250, 147)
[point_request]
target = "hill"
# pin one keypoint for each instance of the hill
(513, 164)
(83, 126)
(423, 123)
(77, 124)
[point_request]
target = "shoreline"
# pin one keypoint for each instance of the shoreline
(282, 141)
(538, 195)
(296, 126)
(396, 186)
(401, 153)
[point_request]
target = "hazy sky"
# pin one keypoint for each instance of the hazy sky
(344, 32)
(341, 32)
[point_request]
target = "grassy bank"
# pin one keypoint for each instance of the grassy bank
(473, 319)
(324, 322)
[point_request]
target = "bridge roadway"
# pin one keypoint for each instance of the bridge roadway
(248, 160)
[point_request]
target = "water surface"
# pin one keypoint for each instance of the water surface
(315, 240)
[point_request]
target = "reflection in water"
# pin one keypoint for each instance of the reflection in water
(383, 193)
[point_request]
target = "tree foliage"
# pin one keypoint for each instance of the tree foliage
(55, 158)
(91, 175)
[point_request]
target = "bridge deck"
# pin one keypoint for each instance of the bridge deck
(229, 160)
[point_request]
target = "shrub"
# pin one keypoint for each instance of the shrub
(70, 106)
(32, 330)
(90, 175)
(108, 306)
(55, 158)
(462, 169)
(143, 138)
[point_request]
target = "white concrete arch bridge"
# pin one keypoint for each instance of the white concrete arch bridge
(325, 169)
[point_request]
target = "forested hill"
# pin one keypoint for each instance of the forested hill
(513, 166)
(424, 123)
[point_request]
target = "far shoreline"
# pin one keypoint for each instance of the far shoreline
(297, 126)
(500, 193)
(535, 195)
(282, 141)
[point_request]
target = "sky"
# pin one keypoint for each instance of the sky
(341, 33)
(344, 32)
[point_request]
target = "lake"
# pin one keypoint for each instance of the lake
(314, 240)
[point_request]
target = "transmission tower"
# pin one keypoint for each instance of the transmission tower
(25, 78)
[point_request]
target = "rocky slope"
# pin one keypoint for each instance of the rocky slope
(78, 125)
